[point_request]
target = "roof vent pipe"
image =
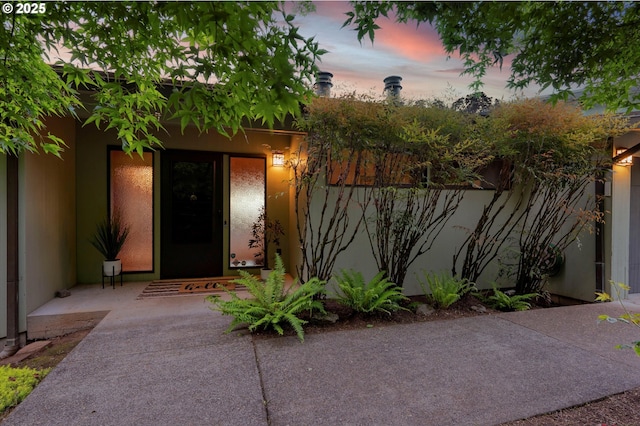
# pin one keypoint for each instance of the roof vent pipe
(323, 84)
(392, 86)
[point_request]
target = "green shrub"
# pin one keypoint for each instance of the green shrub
(17, 383)
(272, 303)
(503, 302)
(378, 295)
(445, 290)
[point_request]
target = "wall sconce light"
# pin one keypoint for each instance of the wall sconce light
(277, 159)
(626, 161)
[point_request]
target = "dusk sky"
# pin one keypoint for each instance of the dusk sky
(414, 53)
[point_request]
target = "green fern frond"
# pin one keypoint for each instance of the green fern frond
(271, 303)
(503, 302)
(378, 295)
(444, 290)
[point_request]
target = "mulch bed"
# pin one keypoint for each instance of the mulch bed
(348, 319)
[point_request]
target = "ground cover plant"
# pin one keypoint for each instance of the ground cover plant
(272, 303)
(46, 359)
(17, 383)
(377, 295)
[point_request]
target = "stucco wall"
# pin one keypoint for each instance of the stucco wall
(47, 226)
(92, 186)
(577, 279)
(439, 259)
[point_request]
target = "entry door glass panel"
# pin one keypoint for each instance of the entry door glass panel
(131, 196)
(247, 182)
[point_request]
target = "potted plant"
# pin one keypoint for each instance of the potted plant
(265, 232)
(110, 236)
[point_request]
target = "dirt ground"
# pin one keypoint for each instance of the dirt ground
(620, 410)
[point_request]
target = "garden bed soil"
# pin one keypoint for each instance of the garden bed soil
(348, 319)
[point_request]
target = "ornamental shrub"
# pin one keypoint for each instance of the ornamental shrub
(631, 318)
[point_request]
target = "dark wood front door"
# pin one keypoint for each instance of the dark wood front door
(191, 214)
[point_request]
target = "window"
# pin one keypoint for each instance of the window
(247, 189)
(404, 170)
(131, 195)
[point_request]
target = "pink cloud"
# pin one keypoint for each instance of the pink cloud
(420, 43)
(333, 9)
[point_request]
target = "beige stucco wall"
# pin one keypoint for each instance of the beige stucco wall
(47, 221)
(577, 279)
(439, 259)
(92, 186)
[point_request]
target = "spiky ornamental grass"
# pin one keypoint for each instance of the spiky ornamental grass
(378, 295)
(272, 303)
(111, 234)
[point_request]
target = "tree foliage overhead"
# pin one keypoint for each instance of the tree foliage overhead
(212, 64)
(560, 45)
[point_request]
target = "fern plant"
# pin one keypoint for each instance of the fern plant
(272, 304)
(445, 290)
(504, 302)
(378, 295)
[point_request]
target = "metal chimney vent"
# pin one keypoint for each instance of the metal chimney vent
(323, 84)
(392, 86)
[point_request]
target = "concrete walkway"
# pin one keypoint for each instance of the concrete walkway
(166, 361)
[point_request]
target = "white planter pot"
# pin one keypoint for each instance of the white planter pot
(264, 273)
(111, 267)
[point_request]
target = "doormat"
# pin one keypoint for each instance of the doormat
(178, 287)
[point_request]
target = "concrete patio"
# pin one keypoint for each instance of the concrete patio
(166, 361)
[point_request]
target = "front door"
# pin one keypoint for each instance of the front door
(191, 214)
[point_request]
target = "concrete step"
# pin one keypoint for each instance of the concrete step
(53, 325)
